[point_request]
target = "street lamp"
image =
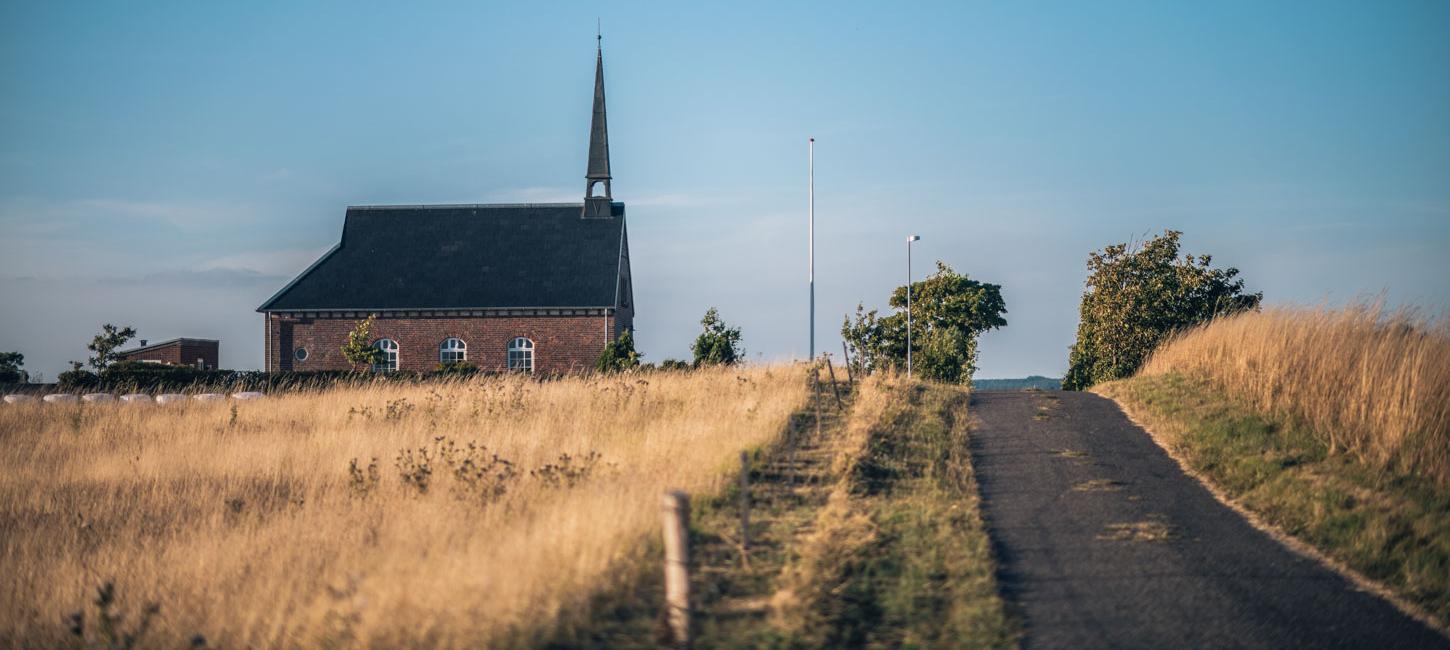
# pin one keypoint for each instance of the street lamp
(909, 239)
(811, 237)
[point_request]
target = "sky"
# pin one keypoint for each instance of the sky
(171, 165)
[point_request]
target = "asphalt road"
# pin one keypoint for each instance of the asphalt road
(1105, 543)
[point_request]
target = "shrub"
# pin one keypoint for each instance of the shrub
(11, 371)
(456, 368)
(618, 355)
(77, 378)
(949, 311)
(719, 344)
(1138, 295)
(359, 350)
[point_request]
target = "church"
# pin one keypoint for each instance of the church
(517, 287)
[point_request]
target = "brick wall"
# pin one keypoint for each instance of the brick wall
(561, 343)
(179, 353)
(207, 352)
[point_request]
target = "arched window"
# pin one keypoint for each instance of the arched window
(453, 351)
(521, 355)
(388, 359)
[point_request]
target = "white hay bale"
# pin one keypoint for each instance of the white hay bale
(136, 398)
(168, 398)
(19, 399)
(209, 397)
(97, 397)
(247, 395)
(60, 398)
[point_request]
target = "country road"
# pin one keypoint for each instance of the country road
(1105, 542)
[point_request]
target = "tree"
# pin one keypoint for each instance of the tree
(1139, 294)
(618, 355)
(719, 344)
(105, 344)
(866, 341)
(949, 312)
(359, 350)
(12, 368)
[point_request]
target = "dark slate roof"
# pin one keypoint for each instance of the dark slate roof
(463, 257)
(180, 341)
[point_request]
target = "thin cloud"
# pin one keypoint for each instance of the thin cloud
(101, 217)
(274, 263)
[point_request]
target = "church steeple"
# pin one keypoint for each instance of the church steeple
(598, 206)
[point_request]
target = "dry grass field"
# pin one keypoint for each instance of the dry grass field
(1372, 383)
(494, 507)
(1332, 426)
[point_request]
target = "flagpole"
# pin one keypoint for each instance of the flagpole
(811, 231)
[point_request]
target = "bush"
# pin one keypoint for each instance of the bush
(77, 378)
(359, 350)
(719, 344)
(949, 311)
(618, 355)
(456, 368)
(947, 356)
(1139, 295)
(11, 368)
(128, 376)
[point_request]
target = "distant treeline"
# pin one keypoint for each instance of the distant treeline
(1035, 381)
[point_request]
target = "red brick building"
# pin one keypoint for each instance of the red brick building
(198, 353)
(525, 287)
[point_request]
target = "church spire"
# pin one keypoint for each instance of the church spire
(598, 206)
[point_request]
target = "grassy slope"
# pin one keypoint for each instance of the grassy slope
(1392, 529)
(901, 557)
(244, 523)
(867, 535)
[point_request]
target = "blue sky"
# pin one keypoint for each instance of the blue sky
(170, 165)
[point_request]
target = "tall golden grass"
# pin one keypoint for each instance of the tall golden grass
(243, 522)
(1371, 382)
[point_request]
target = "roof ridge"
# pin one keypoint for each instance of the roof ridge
(454, 206)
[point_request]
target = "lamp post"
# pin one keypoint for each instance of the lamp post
(909, 239)
(811, 237)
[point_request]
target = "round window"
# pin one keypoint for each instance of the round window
(300, 354)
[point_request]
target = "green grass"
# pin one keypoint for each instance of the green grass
(1392, 528)
(900, 557)
(870, 542)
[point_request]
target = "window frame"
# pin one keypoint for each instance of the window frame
(387, 364)
(300, 354)
(521, 356)
(459, 351)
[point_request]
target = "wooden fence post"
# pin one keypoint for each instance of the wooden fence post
(834, 388)
(744, 504)
(846, 360)
(817, 402)
(675, 507)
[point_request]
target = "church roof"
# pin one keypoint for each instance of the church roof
(464, 257)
